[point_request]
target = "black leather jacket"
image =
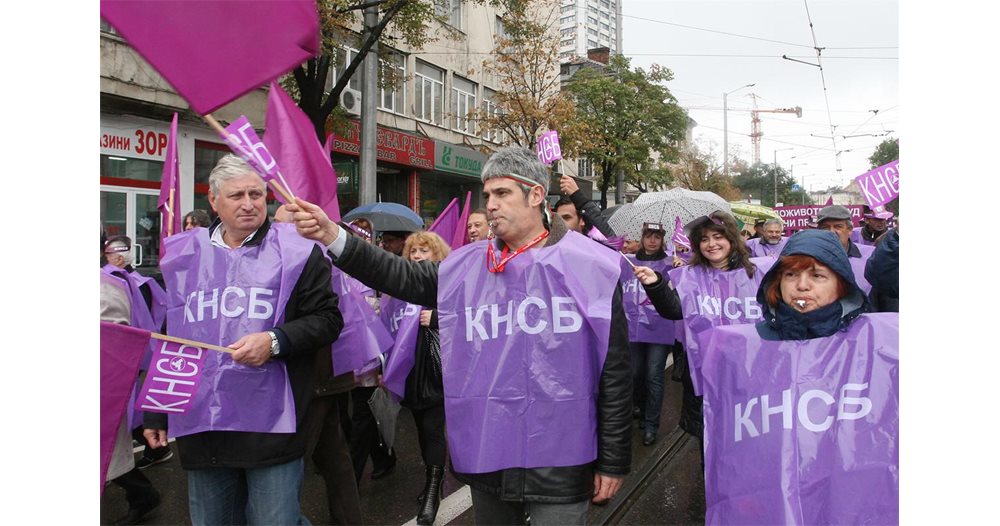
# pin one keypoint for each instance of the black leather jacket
(416, 282)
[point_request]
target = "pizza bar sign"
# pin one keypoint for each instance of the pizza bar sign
(139, 143)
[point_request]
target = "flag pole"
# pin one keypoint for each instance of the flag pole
(170, 214)
(222, 131)
(192, 343)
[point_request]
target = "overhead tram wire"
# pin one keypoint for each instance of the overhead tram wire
(826, 97)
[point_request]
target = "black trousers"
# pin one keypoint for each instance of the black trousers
(431, 435)
(329, 451)
(365, 440)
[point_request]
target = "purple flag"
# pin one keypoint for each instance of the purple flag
(169, 202)
(363, 337)
(447, 222)
(548, 147)
(461, 231)
(802, 432)
(679, 238)
(121, 349)
(244, 142)
(305, 164)
(172, 379)
(522, 353)
(615, 242)
(214, 51)
(404, 349)
(880, 185)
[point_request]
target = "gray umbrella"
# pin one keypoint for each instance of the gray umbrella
(663, 207)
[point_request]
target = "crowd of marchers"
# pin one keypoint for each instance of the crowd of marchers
(533, 349)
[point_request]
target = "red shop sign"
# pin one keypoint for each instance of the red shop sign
(391, 146)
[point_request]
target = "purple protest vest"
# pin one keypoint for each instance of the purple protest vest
(644, 323)
(759, 249)
(803, 432)
(363, 337)
(522, 353)
(142, 316)
(860, 239)
(711, 297)
(218, 295)
(404, 319)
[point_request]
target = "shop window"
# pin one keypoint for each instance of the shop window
(428, 97)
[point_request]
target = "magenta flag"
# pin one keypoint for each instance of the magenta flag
(305, 164)
(121, 349)
(169, 202)
(214, 51)
(172, 379)
(679, 238)
(548, 147)
(446, 223)
(461, 232)
(880, 185)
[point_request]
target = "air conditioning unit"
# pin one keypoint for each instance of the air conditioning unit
(350, 100)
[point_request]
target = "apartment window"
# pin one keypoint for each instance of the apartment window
(606, 4)
(344, 57)
(394, 92)
(592, 32)
(463, 104)
(591, 43)
(428, 98)
(567, 32)
(567, 8)
(591, 20)
(566, 20)
(451, 9)
(567, 42)
(490, 108)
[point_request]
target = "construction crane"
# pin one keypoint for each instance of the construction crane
(755, 133)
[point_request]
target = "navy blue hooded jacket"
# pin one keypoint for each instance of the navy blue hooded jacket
(786, 323)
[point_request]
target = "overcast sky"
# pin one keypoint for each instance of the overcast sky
(652, 33)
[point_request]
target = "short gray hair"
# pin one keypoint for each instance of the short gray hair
(227, 168)
(773, 221)
(516, 160)
(126, 254)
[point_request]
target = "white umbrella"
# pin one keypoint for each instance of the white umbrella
(663, 207)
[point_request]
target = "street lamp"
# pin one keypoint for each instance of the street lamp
(776, 171)
(792, 174)
(725, 127)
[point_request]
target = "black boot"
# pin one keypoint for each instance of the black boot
(432, 497)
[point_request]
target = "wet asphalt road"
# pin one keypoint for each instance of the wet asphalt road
(672, 495)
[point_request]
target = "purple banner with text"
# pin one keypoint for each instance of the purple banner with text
(880, 185)
(173, 378)
(548, 147)
(798, 217)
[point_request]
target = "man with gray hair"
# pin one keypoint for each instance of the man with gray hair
(770, 242)
(534, 354)
(265, 294)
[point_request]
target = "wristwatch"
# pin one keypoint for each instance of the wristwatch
(274, 343)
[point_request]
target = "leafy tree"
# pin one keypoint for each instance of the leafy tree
(886, 152)
(759, 180)
(629, 116)
(702, 171)
(400, 23)
(525, 64)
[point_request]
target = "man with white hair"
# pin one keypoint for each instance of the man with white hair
(770, 242)
(265, 294)
(534, 353)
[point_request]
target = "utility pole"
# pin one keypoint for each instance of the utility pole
(775, 168)
(369, 119)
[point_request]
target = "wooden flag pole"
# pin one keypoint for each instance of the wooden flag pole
(222, 131)
(627, 260)
(170, 213)
(192, 343)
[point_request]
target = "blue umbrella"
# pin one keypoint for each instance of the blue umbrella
(387, 217)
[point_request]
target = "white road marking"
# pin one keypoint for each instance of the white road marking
(451, 507)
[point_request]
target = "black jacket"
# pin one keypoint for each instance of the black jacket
(882, 271)
(312, 323)
(416, 282)
(591, 213)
